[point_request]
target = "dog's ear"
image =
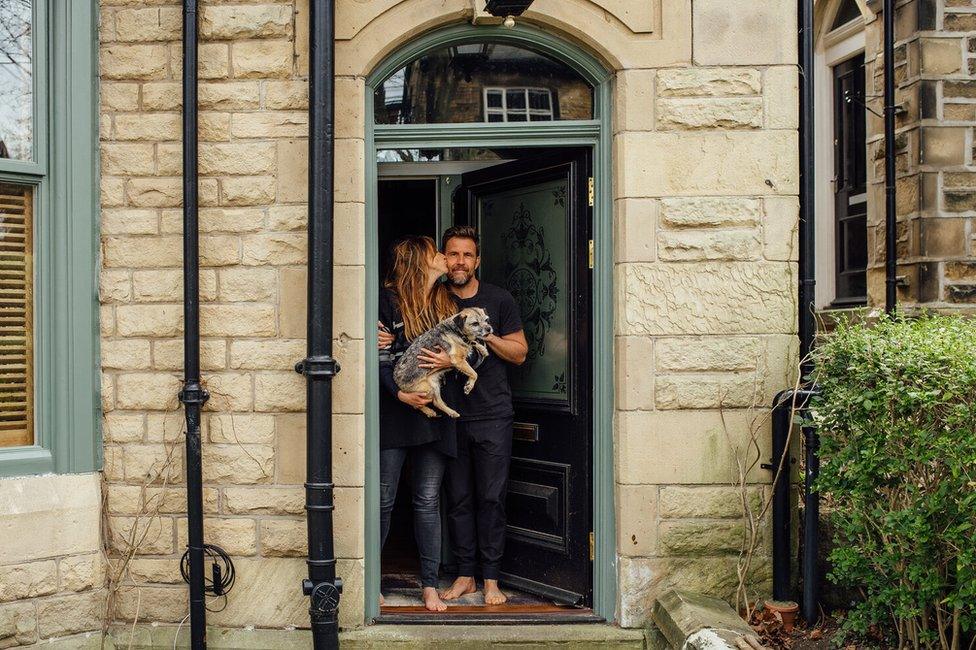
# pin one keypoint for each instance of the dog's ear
(459, 322)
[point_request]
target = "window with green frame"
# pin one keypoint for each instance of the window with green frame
(49, 403)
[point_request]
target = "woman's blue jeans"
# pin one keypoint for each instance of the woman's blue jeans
(427, 474)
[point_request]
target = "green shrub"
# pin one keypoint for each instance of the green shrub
(897, 421)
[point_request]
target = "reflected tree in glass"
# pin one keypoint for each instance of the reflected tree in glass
(16, 80)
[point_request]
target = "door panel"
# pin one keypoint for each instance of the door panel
(534, 219)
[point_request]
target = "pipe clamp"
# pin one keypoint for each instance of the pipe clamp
(318, 367)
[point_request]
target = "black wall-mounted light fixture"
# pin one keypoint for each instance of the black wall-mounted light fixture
(504, 8)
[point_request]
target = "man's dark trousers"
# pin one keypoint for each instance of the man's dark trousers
(477, 483)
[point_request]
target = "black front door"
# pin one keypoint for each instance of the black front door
(533, 217)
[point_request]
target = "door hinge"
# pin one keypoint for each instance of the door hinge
(591, 191)
(592, 253)
(592, 547)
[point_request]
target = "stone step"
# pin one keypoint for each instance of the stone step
(569, 636)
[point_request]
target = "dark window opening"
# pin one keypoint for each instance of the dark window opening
(845, 14)
(850, 184)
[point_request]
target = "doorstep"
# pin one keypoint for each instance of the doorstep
(581, 636)
(464, 637)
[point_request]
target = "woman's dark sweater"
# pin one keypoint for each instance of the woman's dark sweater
(401, 425)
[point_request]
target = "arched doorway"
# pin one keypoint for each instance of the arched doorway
(461, 122)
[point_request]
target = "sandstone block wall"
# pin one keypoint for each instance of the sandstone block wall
(253, 152)
(706, 218)
(52, 566)
(935, 73)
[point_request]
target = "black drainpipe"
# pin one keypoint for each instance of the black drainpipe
(807, 241)
(319, 367)
(891, 252)
(193, 396)
(784, 402)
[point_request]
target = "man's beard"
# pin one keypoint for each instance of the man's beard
(459, 278)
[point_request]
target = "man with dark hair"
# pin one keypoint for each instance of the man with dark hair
(477, 480)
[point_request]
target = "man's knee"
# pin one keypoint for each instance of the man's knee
(427, 499)
(387, 496)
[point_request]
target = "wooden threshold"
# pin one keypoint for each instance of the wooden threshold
(492, 614)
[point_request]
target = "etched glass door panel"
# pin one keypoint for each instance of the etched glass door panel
(524, 249)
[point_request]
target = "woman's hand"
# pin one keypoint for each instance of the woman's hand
(383, 337)
(434, 359)
(416, 400)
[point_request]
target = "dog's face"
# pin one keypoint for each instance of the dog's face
(474, 322)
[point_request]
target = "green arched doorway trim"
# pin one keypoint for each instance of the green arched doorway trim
(595, 133)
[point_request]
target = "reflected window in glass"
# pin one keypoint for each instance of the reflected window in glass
(483, 82)
(16, 80)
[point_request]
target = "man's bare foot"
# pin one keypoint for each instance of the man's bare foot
(432, 601)
(493, 595)
(463, 585)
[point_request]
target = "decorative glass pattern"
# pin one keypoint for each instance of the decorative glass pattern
(524, 249)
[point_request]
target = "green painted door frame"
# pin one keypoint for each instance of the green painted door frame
(588, 133)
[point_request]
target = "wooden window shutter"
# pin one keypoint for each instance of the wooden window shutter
(16, 316)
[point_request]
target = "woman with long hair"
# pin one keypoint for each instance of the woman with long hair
(412, 300)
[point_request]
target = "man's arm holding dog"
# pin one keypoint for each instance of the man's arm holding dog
(511, 348)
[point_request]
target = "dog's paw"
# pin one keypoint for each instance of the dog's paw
(468, 387)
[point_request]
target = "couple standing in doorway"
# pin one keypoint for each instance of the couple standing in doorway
(470, 456)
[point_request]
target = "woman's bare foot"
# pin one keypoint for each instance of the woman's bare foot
(382, 600)
(432, 601)
(493, 595)
(463, 585)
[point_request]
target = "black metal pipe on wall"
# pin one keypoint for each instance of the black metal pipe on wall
(785, 401)
(891, 225)
(319, 367)
(782, 516)
(192, 394)
(806, 234)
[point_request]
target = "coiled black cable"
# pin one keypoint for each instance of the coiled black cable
(222, 574)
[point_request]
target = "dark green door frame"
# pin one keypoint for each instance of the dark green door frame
(595, 134)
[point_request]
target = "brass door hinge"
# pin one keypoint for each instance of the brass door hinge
(592, 547)
(592, 253)
(591, 191)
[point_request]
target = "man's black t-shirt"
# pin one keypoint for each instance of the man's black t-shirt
(492, 395)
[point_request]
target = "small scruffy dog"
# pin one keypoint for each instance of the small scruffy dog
(457, 335)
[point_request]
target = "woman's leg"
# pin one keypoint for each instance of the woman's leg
(428, 474)
(391, 462)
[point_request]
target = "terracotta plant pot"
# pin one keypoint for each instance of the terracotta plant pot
(786, 609)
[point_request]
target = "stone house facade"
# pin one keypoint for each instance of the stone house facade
(703, 186)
